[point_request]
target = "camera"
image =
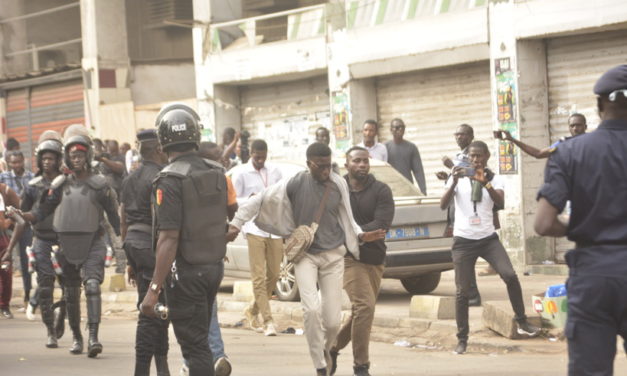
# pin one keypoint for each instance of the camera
(466, 169)
(469, 171)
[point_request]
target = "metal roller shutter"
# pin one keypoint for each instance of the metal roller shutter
(51, 107)
(432, 103)
(574, 64)
(286, 114)
(56, 106)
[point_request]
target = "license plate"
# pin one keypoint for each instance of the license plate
(408, 232)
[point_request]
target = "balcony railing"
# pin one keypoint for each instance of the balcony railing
(365, 13)
(42, 51)
(294, 24)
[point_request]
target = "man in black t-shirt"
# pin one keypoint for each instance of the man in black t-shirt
(372, 204)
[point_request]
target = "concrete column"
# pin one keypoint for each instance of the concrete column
(528, 60)
(361, 94)
(363, 100)
(503, 45)
(218, 105)
(106, 67)
(534, 130)
(227, 110)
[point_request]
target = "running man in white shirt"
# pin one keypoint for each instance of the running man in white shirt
(265, 251)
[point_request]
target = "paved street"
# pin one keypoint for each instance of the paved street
(22, 353)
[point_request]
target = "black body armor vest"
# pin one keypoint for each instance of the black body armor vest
(204, 195)
(77, 217)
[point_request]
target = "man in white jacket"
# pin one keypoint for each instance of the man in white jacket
(281, 208)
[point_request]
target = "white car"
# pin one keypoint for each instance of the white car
(417, 251)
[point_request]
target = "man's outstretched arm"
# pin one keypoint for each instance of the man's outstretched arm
(533, 151)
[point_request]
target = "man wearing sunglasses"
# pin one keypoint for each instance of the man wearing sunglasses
(590, 171)
(284, 206)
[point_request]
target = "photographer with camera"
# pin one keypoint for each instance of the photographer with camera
(477, 191)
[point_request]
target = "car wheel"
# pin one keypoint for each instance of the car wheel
(423, 284)
(286, 288)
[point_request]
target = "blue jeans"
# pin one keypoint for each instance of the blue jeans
(215, 335)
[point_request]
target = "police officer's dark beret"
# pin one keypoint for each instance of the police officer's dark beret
(147, 135)
(613, 79)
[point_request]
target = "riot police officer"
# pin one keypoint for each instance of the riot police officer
(49, 155)
(78, 201)
(590, 171)
(152, 334)
(190, 205)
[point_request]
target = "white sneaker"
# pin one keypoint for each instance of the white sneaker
(222, 366)
(270, 330)
(30, 312)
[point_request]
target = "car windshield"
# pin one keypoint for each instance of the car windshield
(400, 186)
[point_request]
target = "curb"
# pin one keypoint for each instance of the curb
(420, 334)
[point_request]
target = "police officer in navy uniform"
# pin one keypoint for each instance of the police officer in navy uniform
(190, 206)
(79, 201)
(591, 171)
(152, 333)
(49, 156)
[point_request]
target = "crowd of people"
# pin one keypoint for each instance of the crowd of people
(172, 208)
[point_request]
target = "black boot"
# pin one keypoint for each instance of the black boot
(361, 370)
(94, 306)
(161, 361)
(59, 318)
(94, 347)
(47, 316)
(72, 303)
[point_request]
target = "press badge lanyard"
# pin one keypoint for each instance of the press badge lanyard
(474, 220)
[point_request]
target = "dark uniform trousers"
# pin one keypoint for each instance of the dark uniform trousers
(151, 336)
(597, 312)
(42, 250)
(190, 293)
(46, 276)
(91, 268)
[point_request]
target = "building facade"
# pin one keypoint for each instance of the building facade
(108, 64)
(280, 69)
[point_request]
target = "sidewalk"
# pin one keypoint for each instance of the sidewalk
(392, 323)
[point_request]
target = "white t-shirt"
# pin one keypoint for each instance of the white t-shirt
(465, 210)
(2, 208)
(377, 151)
